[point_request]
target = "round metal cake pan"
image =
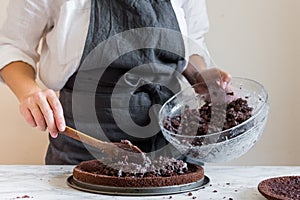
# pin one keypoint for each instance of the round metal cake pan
(141, 191)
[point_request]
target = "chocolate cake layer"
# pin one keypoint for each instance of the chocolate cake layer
(95, 172)
(281, 188)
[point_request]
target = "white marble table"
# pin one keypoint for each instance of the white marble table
(49, 182)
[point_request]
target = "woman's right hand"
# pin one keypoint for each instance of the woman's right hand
(42, 109)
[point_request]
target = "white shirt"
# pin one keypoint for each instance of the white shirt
(63, 25)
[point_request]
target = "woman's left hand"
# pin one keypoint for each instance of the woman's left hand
(214, 78)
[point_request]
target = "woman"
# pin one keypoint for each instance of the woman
(70, 32)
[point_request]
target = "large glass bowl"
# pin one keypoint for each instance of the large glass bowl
(223, 145)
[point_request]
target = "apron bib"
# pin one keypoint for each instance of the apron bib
(108, 18)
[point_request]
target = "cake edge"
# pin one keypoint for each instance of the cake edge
(97, 179)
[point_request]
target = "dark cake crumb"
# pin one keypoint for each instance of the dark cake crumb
(161, 167)
(190, 194)
(215, 191)
(23, 197)
(194, 197)
(170, 197)
(197, 121)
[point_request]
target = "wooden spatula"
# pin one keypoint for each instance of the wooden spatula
(116, 149)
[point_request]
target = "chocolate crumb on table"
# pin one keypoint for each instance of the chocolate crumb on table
(23, 197)
(190, 194)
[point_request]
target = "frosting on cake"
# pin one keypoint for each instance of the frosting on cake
(161, 172)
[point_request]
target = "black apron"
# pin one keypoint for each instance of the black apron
(108, 18)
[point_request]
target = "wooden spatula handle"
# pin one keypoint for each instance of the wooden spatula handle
(113, 149)
(77, 135)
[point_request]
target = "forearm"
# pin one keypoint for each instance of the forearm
(20, 78)
(195, 66)
(41, 108)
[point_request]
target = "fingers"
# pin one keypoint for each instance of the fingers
(44, 111)
(218, 76)
(28, 116)
(225, 79)
(58, 111)
(213, 84)
(38, 117)
(47, 113)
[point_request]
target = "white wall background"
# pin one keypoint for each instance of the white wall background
(255, 39)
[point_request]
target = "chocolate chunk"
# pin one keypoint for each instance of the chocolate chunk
(163, 166)
(197, 121)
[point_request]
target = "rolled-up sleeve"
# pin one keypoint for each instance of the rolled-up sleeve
(197, 26)
(21, 32)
